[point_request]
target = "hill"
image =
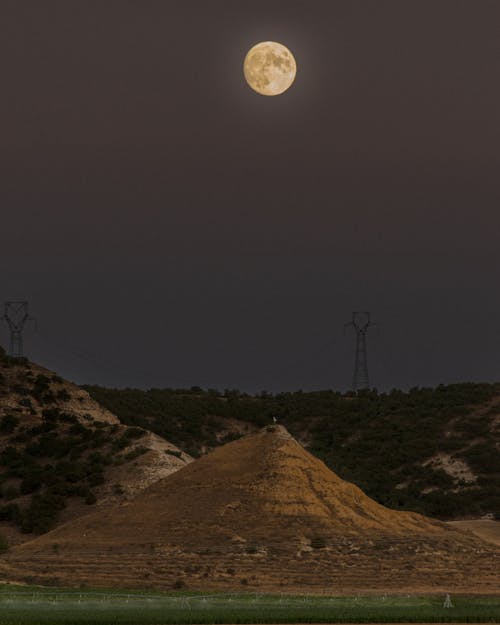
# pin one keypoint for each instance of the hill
(62, 454)
(259, 512)
(435, 451)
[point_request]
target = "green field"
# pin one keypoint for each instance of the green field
(43, 606)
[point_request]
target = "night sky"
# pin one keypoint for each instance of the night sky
(170, 227)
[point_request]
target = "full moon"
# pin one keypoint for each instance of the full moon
(269, 68)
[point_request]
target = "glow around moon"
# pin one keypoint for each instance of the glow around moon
(269, 68)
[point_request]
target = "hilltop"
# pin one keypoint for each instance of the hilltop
(263, 513)
(62, 454)
(435, 451)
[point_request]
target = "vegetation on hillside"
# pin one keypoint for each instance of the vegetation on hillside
(381, 442)
(48, 455)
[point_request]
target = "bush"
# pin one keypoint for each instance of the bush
(96, 478)
(135, 453)
(40, 387)
(63, 395)
(77, 429)
(30, 484)
(318, 542)
(131, 433)
(8, 424)
(172, 452)
(10, 513)
(26, 403)
(20, 389)
(51, 414)
(48, 398)
(42, 513)
(120, 443)
(68, 418)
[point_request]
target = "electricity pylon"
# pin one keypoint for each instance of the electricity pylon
(360, 322)
(16, 316)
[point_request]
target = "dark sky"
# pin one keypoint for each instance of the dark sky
(170, 227)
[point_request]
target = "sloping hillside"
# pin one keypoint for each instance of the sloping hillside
(61, 453)
(436, 451)
(263, 513)
(486, 529)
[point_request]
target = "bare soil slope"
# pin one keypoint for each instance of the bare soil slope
(487, 529)
(261, 513)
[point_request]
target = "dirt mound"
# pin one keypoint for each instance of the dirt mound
(260, 512)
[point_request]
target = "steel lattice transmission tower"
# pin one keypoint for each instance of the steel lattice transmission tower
(361, 323)
(16, 316)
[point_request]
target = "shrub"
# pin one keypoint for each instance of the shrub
(51, 414)
(68, 418)
(40, 386)
(42, 380)
(96, 478)
(8, 424)
(318, 542)
(26, 403)
(63, 395)
(30, 484)
(97, 458)
(135, 453)
(10, 513)
(172, 452)
(20, 389)
(134, 433)
(48, 398)
(77, 429)
(120, 443)
(42, 513)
